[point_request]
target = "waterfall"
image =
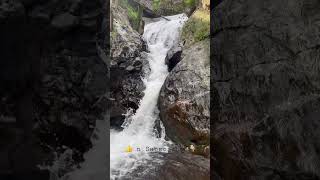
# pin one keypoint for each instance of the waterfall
(134, 145)
(138, 132)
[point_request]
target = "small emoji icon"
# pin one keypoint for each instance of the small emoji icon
(128, 149)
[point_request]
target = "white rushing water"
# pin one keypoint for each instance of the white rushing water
(138, 131)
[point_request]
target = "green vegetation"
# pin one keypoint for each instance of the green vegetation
(190, 3)
(134, 17)
(197, 28)
(156, 4)
(167, 7)
(134, 14)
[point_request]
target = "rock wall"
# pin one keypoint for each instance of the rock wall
(176, 166)
(265, 84)
(128, 66)
(170, 7)
(184, 99)
(51, 72)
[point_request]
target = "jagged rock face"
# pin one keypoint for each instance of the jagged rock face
(128, 65)
(266, 89)
(48, 48)
(168, 7)
(184, 99)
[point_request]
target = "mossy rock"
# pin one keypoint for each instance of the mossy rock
(134, 14)
(172, 7)
(197, 28)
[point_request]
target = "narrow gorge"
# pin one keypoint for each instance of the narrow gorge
(159, 89)
(139, 129)
(160, 97)
(60, 89)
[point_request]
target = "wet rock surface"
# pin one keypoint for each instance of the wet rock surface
(175, 165)
(184, 99)
(128, 65)
(265, 86)
(182, 166)
(173, 56)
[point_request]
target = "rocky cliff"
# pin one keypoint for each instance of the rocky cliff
(184, 97)
(53, 71)
(265, 84)
(171, 7)
(128, 66)
(189, 126)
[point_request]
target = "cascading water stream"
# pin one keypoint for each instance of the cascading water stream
(138, 132)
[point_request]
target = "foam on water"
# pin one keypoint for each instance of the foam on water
(138, 131)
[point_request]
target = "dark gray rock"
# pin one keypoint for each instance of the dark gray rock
(129, 64)
(40, 13)
(154, 9)
(173, 56)
(265, 85)
(184, 100)
(174, 166)
(138, 64)
(64, 21)
(11, 9)
(53, 77)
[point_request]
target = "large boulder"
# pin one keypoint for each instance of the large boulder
(266, 89)
(184, 99)
(175, 165)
